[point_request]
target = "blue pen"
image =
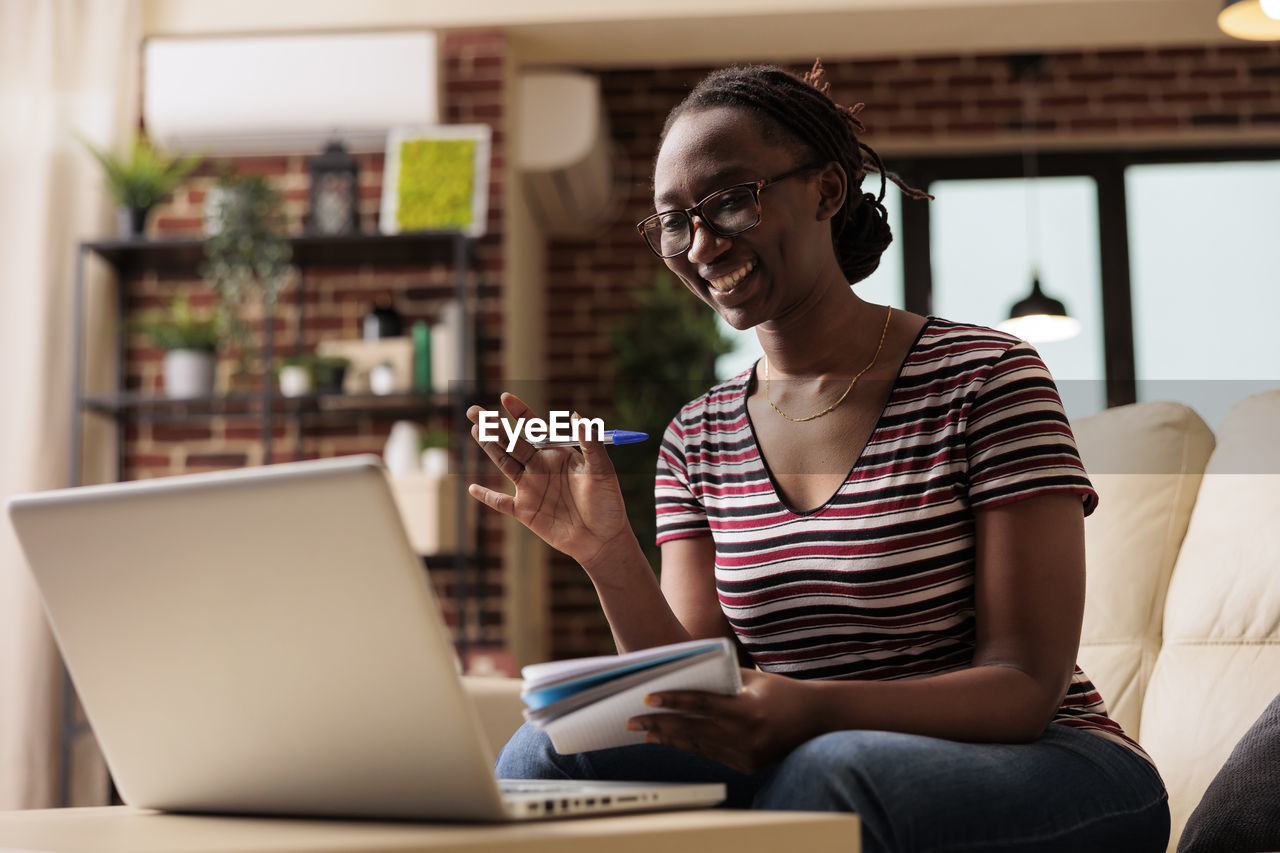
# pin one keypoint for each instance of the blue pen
(611, 436)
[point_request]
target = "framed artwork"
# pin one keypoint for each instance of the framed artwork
(436, 178)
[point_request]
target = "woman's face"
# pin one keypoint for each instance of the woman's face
(761, 273)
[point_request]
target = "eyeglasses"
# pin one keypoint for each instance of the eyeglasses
(726, 213)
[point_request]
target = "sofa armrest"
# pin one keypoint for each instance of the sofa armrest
(498, 706)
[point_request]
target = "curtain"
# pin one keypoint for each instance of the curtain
(66, 67)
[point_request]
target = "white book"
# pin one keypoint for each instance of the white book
(584, 704)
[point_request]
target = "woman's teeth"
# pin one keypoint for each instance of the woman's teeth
(726, 282)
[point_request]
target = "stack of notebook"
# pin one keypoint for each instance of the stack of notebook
(584, 704)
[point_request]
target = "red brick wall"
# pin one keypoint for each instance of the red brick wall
(1134, 94)
(335, 301)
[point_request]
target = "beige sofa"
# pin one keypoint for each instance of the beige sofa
(1182, 614)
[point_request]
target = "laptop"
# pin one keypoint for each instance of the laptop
(265, 641)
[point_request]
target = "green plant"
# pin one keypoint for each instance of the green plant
(329, 370)
(433, 437)
(436, 183)
(247, 255)
(182, 329)
(333, 362)
(142, 180)
(665, 352)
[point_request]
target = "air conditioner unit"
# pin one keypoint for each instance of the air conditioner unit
(287, 94)
(564, 152)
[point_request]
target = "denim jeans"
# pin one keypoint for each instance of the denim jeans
(1068, 790)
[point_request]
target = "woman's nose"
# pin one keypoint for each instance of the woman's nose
(707, 245)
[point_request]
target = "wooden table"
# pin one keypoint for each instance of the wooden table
(117, 829)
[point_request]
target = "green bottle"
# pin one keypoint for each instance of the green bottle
(422, 357)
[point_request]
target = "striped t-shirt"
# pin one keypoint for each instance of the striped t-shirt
(878, 582)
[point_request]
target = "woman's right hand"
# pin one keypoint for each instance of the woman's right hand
(570, 499)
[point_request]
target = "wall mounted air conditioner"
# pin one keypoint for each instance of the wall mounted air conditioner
(287, 94)
(563, 152)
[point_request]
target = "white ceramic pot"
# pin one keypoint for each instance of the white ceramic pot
(188, 373)
(295, 380)
(435, 462)
(401, 453)
(382, 379)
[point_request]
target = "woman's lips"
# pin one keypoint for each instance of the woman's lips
(726, 282)
(734, 287)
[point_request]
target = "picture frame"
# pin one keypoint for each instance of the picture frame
(436, 179)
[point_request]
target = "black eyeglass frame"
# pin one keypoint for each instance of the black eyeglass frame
(754, 187)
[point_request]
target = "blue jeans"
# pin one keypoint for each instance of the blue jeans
(1069, 790)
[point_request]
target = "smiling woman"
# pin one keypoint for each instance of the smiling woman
(885, 515)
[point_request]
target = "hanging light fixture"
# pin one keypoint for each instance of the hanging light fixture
(1038, 318)
(1256, 20)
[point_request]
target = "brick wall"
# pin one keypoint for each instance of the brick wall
(1083, 97)
(333, 302)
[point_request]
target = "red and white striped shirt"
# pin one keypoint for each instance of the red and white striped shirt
(878, 582)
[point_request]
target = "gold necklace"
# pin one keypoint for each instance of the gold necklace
(852, 381)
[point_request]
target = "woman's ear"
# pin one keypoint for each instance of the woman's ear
(833, 188)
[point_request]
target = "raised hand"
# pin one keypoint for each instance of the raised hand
(569, 498)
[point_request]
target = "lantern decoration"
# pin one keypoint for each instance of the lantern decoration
(335, 192)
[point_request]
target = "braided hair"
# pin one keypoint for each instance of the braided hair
(799, 112)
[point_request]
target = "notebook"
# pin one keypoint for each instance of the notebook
(584, 704)
(265, 641)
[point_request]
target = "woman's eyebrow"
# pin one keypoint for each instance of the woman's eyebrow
(720, 179)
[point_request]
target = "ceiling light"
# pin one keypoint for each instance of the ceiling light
(1040, 319)
(1256, 20)
(1037, 318)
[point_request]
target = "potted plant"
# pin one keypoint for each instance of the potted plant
(190, 344)
(297, 375)
(665, 349)
(141, 181)
(330, 371)
(247, 254)
(434, 448)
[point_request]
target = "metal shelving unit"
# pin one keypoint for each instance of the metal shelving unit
(183, 258)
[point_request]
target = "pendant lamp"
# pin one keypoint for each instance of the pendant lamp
(1255, 20)
(1038, 318)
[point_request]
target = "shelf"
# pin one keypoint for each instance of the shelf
(187, 255)
(311, 407)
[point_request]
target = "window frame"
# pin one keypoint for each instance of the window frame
(1107, 168)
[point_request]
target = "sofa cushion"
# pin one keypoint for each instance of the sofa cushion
(1240, 813)
(1219, 666)
(1145, 460)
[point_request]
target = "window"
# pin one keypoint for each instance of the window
(1205, 286)
(981, 236)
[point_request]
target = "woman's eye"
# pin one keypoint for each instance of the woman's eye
(674, 223)
(730, 202)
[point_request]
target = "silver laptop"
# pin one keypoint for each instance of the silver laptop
(265, 641)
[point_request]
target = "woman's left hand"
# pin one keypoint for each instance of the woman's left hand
(748, 732)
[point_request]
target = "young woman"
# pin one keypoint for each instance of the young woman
(885, 514)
